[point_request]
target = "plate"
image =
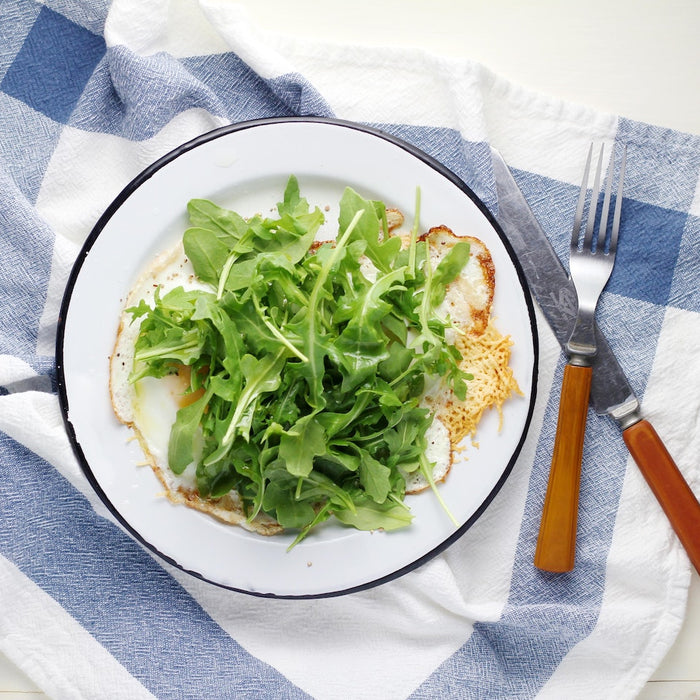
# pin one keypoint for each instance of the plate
(245, 167)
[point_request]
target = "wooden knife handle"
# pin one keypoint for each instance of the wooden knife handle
(556, 543)
(668, 485)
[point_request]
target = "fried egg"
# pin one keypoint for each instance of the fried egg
(149, 406)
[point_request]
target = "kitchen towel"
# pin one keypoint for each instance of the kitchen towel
(91, 94)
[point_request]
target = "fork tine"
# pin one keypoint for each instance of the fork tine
(603, 225)
(576, 232)
(593, 207)
(618, 204)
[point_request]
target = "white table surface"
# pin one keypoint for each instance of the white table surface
(635, 59)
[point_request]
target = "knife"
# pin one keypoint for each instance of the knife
(611, 393)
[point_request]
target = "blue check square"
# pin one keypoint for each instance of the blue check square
(647, 252)
(53, 65)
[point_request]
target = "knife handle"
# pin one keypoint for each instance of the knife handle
(556, 543)
(668, 485)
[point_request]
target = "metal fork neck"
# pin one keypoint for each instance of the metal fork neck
(580, 359)
(581, 346)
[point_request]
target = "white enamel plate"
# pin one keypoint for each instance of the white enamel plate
(245, 167)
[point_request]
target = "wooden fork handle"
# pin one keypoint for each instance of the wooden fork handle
(556, 543)
(668, 485)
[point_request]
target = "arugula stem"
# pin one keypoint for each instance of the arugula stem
(319, 517)
(426, 305)
(318, 285)
(403, 375)
(414, 237)
(335, 254)
(427, 472)
(328, 485)
(247, 395)
(276, 332)
(225, 272)
(357, 409)
(160, 352)
(399, 502)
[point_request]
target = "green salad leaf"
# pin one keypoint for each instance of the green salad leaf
(310, 368)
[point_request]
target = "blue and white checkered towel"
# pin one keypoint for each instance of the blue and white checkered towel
(90, 94)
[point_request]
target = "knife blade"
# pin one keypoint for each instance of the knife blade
(611, 393)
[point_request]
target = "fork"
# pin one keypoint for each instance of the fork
(590, 265)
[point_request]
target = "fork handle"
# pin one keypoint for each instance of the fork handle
(556, 543)
(668, 485)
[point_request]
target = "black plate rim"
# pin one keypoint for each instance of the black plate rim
(145, 175)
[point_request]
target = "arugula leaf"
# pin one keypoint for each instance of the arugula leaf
(369, 515)
(182, 448)
(300, 444)
(362, 344)
(292, 205)
(207, 252)
(382, 253)
(226, 225)
(374, 477)
(261, 376)
(448, 270)
(167, 338)
(293, 514)
(308, 327)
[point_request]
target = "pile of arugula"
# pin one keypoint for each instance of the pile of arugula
(308, 375)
